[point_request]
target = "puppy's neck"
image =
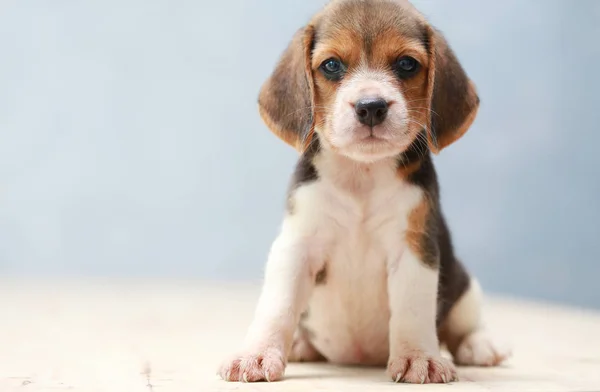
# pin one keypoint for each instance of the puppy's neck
(354, 176)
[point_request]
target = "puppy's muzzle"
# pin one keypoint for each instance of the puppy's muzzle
(371, 111)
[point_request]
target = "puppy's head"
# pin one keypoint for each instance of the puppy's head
(369, 77)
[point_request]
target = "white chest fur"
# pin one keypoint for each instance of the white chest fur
(357, 214)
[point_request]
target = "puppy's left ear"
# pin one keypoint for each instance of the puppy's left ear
(286, 99)
(452, 95)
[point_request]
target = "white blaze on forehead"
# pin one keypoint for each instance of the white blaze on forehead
(367, 82)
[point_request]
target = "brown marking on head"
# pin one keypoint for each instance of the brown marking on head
(342, 45)
(367, 39)
(420, 233)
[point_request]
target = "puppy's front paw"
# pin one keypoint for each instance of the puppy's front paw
(419, 368)
(262, 365)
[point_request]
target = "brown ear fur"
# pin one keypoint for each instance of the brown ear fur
(286, 99)
(452, 96)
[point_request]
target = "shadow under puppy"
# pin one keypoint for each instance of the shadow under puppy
(363, 271)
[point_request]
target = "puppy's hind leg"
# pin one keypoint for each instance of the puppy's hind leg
(303, 350)
(465, 335)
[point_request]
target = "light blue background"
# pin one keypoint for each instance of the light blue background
(130, 144)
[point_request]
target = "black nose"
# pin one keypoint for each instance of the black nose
(371, 111)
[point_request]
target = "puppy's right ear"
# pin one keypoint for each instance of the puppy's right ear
(286, 99)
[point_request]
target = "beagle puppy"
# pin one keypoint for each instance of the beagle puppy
(363, 271)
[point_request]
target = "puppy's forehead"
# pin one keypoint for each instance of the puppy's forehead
(366, 23)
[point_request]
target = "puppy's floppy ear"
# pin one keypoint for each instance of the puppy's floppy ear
(452, 96)
(286, 99)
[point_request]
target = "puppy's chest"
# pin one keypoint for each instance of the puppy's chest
(362, 235)
(365, 224)
(348, 312)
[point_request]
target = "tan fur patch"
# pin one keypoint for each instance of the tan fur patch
(416, 226)
(418, 237)
(404, 171)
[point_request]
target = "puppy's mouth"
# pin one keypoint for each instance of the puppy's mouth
(368, 142)
(373, 138)
(372, 134)
(365, 143)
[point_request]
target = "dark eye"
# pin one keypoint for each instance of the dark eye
(406, 67)
(333, 69)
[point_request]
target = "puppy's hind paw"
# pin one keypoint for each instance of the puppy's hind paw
(478, 349)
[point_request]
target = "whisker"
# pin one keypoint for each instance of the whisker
(306, 108)
(427, 109)
(417, 100)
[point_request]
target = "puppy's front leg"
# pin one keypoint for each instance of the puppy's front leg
(289, 279)
(412, 288)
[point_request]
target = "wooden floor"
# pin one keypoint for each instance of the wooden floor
(151, 336)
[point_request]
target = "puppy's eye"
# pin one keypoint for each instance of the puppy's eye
(406, 67)
(333, 69)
